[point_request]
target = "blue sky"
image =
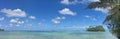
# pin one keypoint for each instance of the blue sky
(49, 15)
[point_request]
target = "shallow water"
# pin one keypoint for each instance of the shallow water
(56, 35)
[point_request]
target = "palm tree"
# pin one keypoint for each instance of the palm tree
(113, 19)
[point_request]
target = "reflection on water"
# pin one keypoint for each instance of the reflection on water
(56, 35)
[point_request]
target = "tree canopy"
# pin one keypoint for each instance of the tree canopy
(96, 29)
(113, 19)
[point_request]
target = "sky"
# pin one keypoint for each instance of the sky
(49, 14)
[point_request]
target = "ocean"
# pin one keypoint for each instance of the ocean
(55, 35)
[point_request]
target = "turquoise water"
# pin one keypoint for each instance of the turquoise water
(56, 35)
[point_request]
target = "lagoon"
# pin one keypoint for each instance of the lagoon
(55, 35)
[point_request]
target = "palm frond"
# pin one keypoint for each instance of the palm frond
(98, 5)
(115, 9)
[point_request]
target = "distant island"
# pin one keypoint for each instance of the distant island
(1, 29)
(96, 28)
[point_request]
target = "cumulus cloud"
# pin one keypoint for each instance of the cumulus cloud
(14, 20)
(57, 20)
(20, 22)
(2, 18)
(90, 17)
(94, 0)
(32, 17)
(103, 10)
(68, 2)
(67, 11)
(65, 2)
(17, 21)
(14, 12)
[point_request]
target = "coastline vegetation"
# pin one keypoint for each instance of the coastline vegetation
(96, 29)
(113, 18)
(1, 29)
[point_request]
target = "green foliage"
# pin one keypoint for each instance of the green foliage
(104, 4)
(113, 19)
(97, 28)
(98, 5)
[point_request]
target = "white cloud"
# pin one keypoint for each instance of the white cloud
(68, 2)
(14, 12)
(103, 10)
(17, 21)
(2, 18)
(57, 20)
(14, 20)
(32, 17)
(94, 0)
(65, 2)
(20, 22)
(87, 16)
(90, 17)
(67, 11)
